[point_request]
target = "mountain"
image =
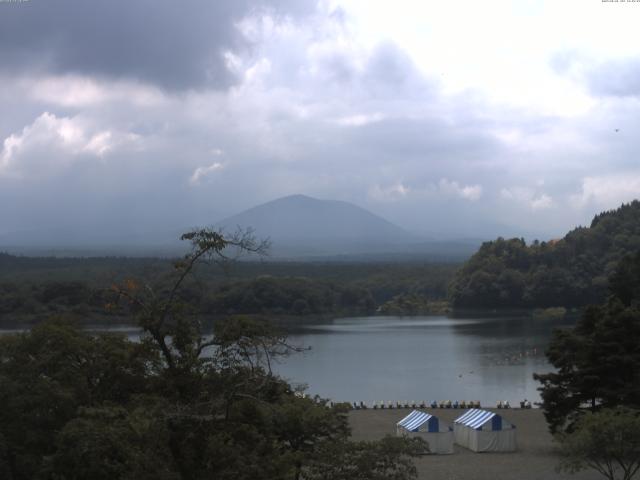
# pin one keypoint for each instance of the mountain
(299, 227)
(572, 271)
(303, 226)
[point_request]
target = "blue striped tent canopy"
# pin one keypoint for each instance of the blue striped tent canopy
(416, 419)
(476, 418)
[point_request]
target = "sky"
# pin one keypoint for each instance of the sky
(463, 118)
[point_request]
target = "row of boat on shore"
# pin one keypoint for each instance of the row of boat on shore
(442, 404)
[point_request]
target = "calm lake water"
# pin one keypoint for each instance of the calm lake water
(416, 358)
(421, 358)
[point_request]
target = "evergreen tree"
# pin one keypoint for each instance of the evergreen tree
(597, 362)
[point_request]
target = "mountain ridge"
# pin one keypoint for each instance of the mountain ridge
(303, 224)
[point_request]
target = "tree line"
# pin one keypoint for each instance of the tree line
(570, 272)
(251, 288)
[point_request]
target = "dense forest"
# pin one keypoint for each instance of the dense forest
(570, 272)
(32, 289)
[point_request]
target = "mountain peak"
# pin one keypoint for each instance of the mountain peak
(309, 223)
(296, 196)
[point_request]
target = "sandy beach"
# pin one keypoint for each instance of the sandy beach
(535, 458)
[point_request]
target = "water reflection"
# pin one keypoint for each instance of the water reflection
(422, 358)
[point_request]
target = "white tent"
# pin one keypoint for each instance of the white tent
(484, 431)
(428, 427)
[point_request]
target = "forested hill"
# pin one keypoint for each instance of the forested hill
(570, 272)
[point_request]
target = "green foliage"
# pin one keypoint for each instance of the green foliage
(388, 459)
(110, 442)
(22, 302)
(413, 304)
(569, 272)
(180, 404)
(607, 441)
(278, 290)
(48, 373)
(597, 362)
(5, 470)
(625, 281)
(288, 296)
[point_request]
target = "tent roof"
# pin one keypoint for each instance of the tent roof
(414, 420)
(475, 418)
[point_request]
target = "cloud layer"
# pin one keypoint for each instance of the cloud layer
(158, 115)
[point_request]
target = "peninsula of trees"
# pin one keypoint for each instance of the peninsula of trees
(573, 271)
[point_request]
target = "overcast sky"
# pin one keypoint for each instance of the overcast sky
(444, 117)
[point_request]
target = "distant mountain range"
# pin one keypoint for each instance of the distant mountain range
(302, 226)
(298, 226)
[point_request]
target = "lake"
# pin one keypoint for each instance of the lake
(416, 358)
(422, 358)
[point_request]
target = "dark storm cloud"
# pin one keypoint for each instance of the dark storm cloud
(175, 45)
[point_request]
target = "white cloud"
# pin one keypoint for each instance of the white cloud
(391, 193)
(444, 188)
(202, 172)
(520, 194)
(541, 202)
(10, 147)
(468, 192)
(51, 142)
(608, 191)
(100, 144)
(469, 51)
(528, 197)
(78, 91)
(359, 120)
